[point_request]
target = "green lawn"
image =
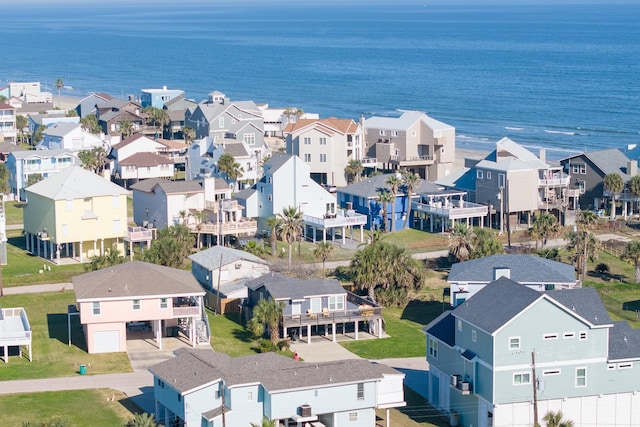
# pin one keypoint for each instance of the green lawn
(229, 336)
(94, 408)
(405, 329)
(417, 413)
(13, 212)
(52, 356)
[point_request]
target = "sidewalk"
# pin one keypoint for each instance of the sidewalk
(36, 289)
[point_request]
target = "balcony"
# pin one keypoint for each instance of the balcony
(561, 180)
(463, 387)
(356, 309)
(244, 226)
(138, 234)
(425, 159)
(452, 210)
(369, 162)
(342, 218)
(186, 307)
(227, 206)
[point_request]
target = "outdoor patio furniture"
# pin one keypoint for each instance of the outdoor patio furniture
(311, 315)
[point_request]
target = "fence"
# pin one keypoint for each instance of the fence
(627, 311)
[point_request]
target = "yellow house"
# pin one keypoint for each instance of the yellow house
(74, 214)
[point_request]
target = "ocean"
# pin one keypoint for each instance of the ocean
(560, 77)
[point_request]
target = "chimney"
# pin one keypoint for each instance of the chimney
(543, 155)
(164, 88)
(499, 272)
(632, 167)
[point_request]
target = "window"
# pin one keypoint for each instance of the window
(488, 174)
(116, 226)
(581, 377)
(220, 122)
(521, 378)
(218, 394)
(353, 416)
(500, 180)
(307, 157)
(360, 391)
(611, 367)
(336, 302)
(459, 324)
(413, 133)
(579, 169)
(163, 303)
(551, 372)
(567, 335)
(479, 174)
(581, 187)
(514, 343)
(250, 396)
(382, 132)
(395, 133)
(323, 141)
(249, 139)
(270, 197)
(433, 348)
(160, 383)
(136, 304)
(323, 158)
(582, 335)
(307, 141)
(549, 287)
(625, 365)
(269, 180)
(96, 308)
(474, 335)
(547, 337)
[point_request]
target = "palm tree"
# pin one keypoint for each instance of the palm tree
(59, 84)
(267, 313)
(291, 112)
(614, 184)
(385, 198)
(554, 419)
(544, 227)
(265, 423)
(273, 223)
(632, 253)
(227, 164)
(485, 243)
(354, 169)
(394, 183)
(587, 219)
(188, 134)
(254, 248)
(156, 117)
(142, 420)
(323, 251)
(461, 241)
(634, 186)
(290, 226)
(410, 182)
(583, 246)
(183, 216)
(21, 123)
(126, 129)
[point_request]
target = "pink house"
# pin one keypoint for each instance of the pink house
(141, 300)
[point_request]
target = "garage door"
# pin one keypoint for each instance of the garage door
(106, 341)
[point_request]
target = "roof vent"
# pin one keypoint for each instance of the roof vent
(499, 272)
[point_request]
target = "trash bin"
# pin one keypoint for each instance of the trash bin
(83, 369)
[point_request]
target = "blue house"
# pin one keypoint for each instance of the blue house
(209, 389)
(511, 352)
(22, 165)
(158, 97)
(362, 197)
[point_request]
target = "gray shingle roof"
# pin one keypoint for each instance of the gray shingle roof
(75, 183)
(584, 302)
(236, 149)
(524, 269)
(145, 160)
(61, 129)
(368, 188)
(135, 279)
(188, 370)
(609, 161)
(216, 256)
(443, 328)
(624, 342)
(496, 304)
(276, 161)
(284, 287)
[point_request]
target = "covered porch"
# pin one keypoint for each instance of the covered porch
(15, 332)
(343, 220)
(443, 208)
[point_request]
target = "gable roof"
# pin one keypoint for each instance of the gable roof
(624, 342)
(443, 328)
(406, 120)
(236, 149)
(145, 159)
(43, 154)
(75, 183)
(135, 279)
(329, 125)
(496, 304)
(277, 160)
(188, 370)
(285, 287)
(523, 268)
(8, 147)
(609, 161)
(61, 129)
(217, 256)
(130, 140)
(368, 188)
(584, 302)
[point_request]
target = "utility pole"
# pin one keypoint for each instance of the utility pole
(219, 300)
(535, 388)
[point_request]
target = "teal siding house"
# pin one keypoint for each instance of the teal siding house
(202, 388)
(510, 349)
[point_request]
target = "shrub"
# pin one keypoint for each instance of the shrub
(602, 268)
(284, 345)
(266, 346)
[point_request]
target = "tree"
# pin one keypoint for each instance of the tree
(37, 135)
(353, 170)
(322, 251)
(4, 179)
(188, 133)
(59, 84)
(227, 164)
(410, 181)
(461, 241)
(266, 313)
(111, 257)
(614, 184)
(94, 159)
(587, 219)
(290, 226)
(632, 253)
(485, 243)
(253, 248)
(554, 419)
(394, 183)
(34, 178)
(157, 117)
(265, 423)
(90, 124)
(544, 227)
(141, 420)
(274, 224)
(171, 247)
(71, 113)
(385, 198)
(21, 123)
(583, 246)
(126, 129)
(634, 186)
(291, 112)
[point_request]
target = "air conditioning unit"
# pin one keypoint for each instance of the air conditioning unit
(305, 411)
(455, 380)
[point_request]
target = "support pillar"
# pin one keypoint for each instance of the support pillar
(379, 328)
(101, 246)
(343, 235)
(361, 233)
(308, 334)
(333, 332)
(355, 327)
(159, 333)
(95, 247)
(80, 250)
(26, 241)
(44, 246)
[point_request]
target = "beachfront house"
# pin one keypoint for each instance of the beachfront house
(74, 214)
(223, 271)
(210, 389)
(316, 306)
(511, 354)
(588, 171)
(8, 129)
(412, 141)
(467, 278)
(28, 167)
(176, 109)
(157, 98)
(70, 136)
(87, 105)
(327, 146)
(139, 300)
(138, 158)
(111, 114)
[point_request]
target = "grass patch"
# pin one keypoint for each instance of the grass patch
(418, 412)
(405, 329)
(13, 212)
(52, 356)
(230, 336)
(79, 407)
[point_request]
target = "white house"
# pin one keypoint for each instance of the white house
(70, 136)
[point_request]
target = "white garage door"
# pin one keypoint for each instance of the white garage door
(106, 341)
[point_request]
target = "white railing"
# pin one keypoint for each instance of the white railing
(464, 210)
(189, 311)
(555, 182)
(336, 220)
(136, 234)
(369, 160)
